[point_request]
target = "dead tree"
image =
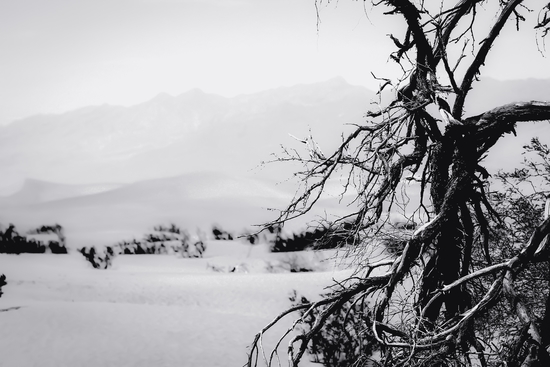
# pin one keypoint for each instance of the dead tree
(446, 272)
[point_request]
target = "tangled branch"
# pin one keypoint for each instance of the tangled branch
(425, 305)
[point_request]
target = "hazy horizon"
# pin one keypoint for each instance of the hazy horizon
(59, 56)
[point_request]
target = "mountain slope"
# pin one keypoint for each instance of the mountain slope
(172, 135)
(196, 131)
(192, 201)
(36, 191)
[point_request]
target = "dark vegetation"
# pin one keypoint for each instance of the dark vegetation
(320, 238)
(252, 238)
(13, 243)
(164, 240)
(338, 346)
(98, 260)
(220, 234)
(56, 247)
(2, 283)
(223, 235)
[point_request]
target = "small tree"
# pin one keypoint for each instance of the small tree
(2, 283)
(221, 235)
(429, 305)
(98, 260)
(56, 247)
(12, 243)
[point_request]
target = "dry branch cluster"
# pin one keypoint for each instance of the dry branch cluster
(428, 304)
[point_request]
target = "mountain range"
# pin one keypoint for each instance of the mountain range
(167, 135)
(198, 150)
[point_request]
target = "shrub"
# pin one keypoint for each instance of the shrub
(221, 235)
(18, 245)
(319, 239)
(150, 245)
(171, 229)
(98, 261)
(12, 243)
(347, 338)
(56, 248)
(31, 247)
(2, 283)
(190, 246)
(298, 242)
(252, 238)
(164, 240)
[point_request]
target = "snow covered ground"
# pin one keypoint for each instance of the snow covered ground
(150, 310)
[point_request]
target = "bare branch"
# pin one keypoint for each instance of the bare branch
(479, 60)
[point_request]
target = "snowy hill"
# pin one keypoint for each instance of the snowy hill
(37, 191)
(124, 212)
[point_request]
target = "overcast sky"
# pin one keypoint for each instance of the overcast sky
(58, 55)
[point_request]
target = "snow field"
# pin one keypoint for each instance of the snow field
(148, 310)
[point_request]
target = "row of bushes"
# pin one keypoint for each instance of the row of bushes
(13, 243)
(172, 239)
(317, 239)
(320, 238)
(163, 240)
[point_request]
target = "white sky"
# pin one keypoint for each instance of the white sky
(58, 55)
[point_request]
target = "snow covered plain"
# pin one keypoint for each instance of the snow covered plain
(150, 310)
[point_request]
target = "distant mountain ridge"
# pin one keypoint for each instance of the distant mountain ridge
(196, 186)
(169, 135)
(197, 131)
(35, 191)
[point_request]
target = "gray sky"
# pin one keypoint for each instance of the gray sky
(58, 55)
